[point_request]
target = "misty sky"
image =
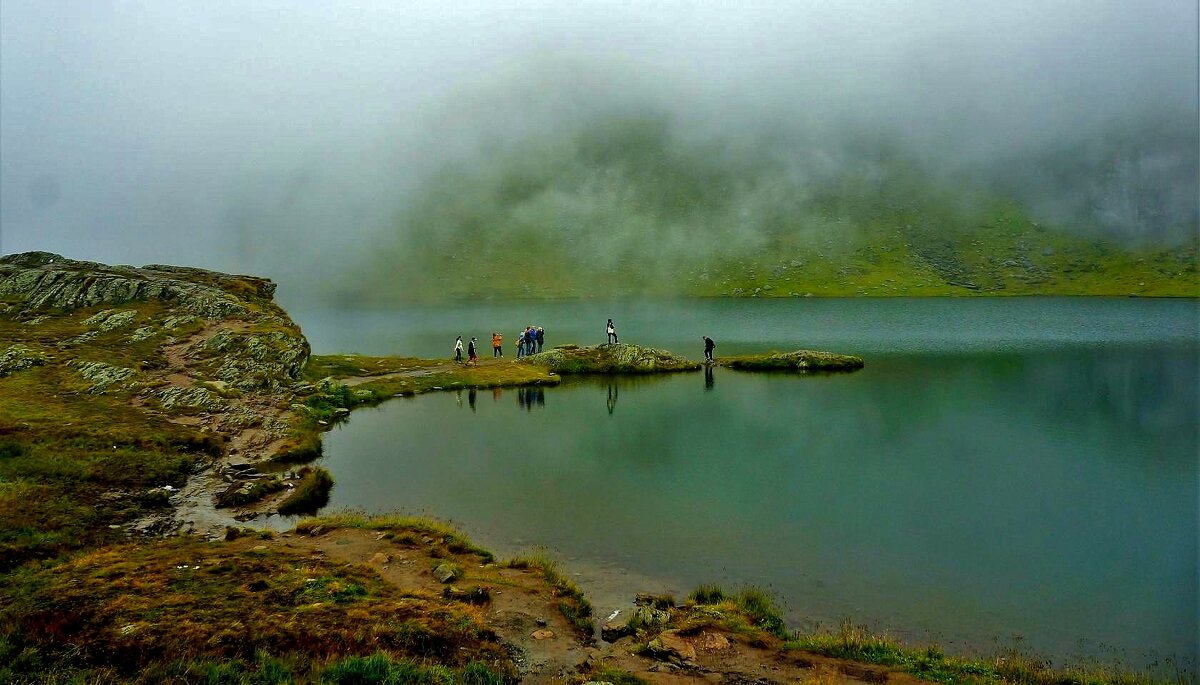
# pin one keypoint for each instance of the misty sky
(283, 138)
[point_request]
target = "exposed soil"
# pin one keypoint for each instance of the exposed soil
(523, 611)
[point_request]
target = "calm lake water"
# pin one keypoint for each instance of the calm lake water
(1003, 469)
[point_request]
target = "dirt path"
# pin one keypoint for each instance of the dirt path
(415, 373)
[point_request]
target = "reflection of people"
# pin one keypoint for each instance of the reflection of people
(709, 346)
(612, 398)
(708, 378)
(541, 397)
(611, 329)
(471, 395)
(496, 393)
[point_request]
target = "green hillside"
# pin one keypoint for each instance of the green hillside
(628, 207)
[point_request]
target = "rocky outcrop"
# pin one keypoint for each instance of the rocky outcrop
(43, 280)
(610, 358)
(256, 343)
(18, 358)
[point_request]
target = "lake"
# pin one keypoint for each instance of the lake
(1003, 470)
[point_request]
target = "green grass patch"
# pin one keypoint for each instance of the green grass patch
(931, 663)
(310, 495)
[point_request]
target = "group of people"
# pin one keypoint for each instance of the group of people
(531, 340)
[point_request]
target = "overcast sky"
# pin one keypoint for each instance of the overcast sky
(137, 132)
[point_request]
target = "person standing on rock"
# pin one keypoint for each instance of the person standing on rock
(530, 340)
(611, 329)
(709, 346)
(497, 348)
(458, 349)
(541, 338)
(472, 356)
(520, 344)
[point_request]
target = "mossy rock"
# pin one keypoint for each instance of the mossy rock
(800, 360)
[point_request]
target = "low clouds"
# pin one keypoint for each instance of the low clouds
(292, 141)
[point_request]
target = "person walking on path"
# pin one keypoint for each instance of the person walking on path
(709, 346)
(458, 349)
(540, 337)
(472, 352)
(497, 348)
(611, 329)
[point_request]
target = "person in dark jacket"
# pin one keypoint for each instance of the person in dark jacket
(611, 329)
(709, 346)
(540, 336)
(472, 356)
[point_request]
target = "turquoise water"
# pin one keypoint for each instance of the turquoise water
(1002, 469)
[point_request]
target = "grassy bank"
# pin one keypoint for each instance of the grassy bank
(751, 613)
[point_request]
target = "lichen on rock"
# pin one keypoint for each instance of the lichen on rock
(18, 358)
(610, 358)
(102, 376)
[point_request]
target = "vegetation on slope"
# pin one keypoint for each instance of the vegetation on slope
(629, 206)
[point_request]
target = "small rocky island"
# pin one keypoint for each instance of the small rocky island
(799, 361)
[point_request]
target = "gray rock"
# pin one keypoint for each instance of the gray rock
(611, 632)
(445, 573)
(101, 375)
(18, 358)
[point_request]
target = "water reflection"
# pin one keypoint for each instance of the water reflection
(528, 397)
(708, 378)
(612, 397)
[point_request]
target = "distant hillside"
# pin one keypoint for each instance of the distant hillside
(627, 207)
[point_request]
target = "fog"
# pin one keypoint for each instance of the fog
(309, 143)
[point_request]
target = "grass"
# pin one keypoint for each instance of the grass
(930, 663)
(684, 219)
(572, 605)
(75, 463)
(752, 611)
(310, 495)
(127, 609)
(402, 528)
